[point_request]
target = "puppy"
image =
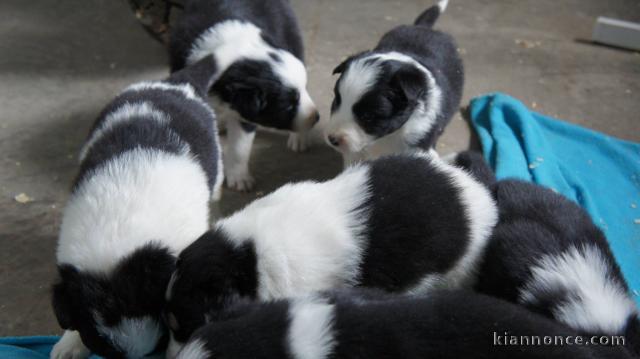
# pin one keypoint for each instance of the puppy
(148, 169)
(446, 324)
(259, 51)
(398, 96)
(405, 224)
(548, 255)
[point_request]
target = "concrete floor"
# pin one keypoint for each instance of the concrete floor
(61, 63)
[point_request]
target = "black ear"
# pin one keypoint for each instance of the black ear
(62, 296)
(143, 276)
(409, 82)
(247, 99)
(343, 66)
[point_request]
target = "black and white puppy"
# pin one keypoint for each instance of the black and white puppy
(398, 96)
(548, 255)
(405, 224)
(259, 51)
(148, 169)
(445, 324)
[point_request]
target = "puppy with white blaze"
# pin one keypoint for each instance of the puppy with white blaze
(399, 96)
(548, 255)
(404, 224)
(259, 51)
(445, 324)
(148, 169)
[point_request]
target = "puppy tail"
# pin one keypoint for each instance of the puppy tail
(200, 75)
(429, 17)
(475, 164)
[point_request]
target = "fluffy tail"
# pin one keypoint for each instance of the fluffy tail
(474, 163)
(200, 75)
(428, 17)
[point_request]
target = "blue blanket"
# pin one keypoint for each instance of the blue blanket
(599, 172)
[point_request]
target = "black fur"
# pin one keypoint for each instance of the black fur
(211, 273)
(192, 121)
(416, 226)
(275, 18)
(250, 87)
(475, 164)
(137, 286)
(400, 86)
(443, 325)
(134, 289)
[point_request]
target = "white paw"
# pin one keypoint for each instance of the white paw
(298, 142)
(69, 347)
(240, 181)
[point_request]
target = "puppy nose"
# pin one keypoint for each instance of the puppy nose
(334, 140)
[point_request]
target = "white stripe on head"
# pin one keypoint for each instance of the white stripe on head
(310, 333)
(120, 115)
(595, 301)
(234, 40)
(358, 79)
(195, 349)
(141, 195)
(307, 236)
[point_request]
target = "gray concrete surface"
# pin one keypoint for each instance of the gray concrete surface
(60, 62)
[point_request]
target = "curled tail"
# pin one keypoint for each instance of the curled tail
(428, 17)
(201, 75)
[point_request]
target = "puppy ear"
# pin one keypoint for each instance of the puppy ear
(343, 66)
(409, 82)
(248, 100)
(62, 297)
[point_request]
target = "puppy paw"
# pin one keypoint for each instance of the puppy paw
(69, 347)
(298, 142)
(240, 181)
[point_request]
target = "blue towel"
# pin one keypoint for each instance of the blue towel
(36, 347)
(599, 172)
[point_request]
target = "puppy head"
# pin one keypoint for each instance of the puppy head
(211, 274)
(271, 93)
(117, 315)
(375, 95)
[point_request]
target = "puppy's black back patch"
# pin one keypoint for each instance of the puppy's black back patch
(417, 223)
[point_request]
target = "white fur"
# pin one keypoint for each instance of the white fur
(356, 81)
(186, 89)
(195, 349)
(69, 347)
(482, 215)
(442, 4)
(189, 93)
(140, 196)
(310, 334)
(234, 40)
(122, 114)
(237, 153)
(597, 302)
(134, 336)
(307, 235)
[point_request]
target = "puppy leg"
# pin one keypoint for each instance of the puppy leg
(236, 155)
(298, 142)
(69, 347)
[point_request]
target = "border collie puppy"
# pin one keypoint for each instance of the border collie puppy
(405, 224)
(258, 48)
(445, 324)
(548, 255)
(398, 96)
(148, 169)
